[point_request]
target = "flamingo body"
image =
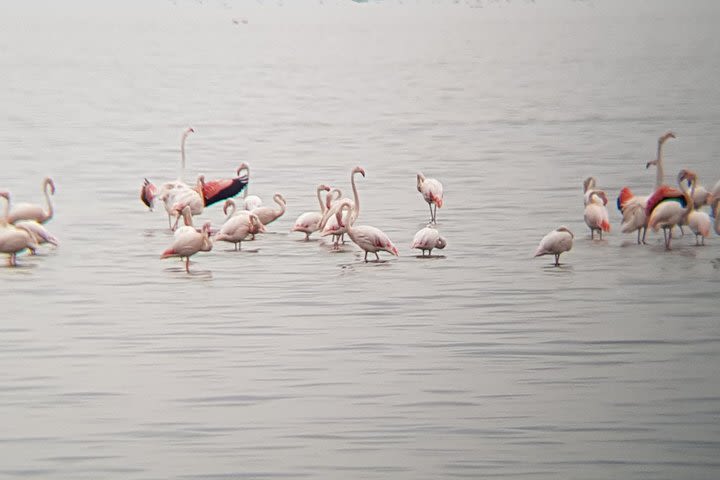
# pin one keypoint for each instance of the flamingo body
(268, 215)
(188, 243)
(555, 243)
(432, 192)
(596, 214)
(238, 228)
(428, 239)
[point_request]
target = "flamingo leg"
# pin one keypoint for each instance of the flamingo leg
(669, 239)
(377, 257)
(366, 256)
(307, 236)
(600, 232)
(435, 213)
(643, 236)
(638, 240)
(557, 259)
(432, 217)
(239, 246)
(187, 264)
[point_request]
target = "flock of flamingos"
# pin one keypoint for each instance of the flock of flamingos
(667, 207)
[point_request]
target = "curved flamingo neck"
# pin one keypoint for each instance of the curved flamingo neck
(46, 186)
(229, 203)
(279, 200)
(182, 152)
(322, 205)
(660, 173)
(7, 209)
(356, 212)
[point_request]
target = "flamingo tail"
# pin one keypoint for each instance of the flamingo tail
(168, 253)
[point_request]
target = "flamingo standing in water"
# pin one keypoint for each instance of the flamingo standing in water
(699, 222)
(268, 215)
(188, 243)
(432, 192)
(633, 211)
(237, 228)
(427, 239)
(668, 206)
(370, 239)
(29, 211)
(331, 225)
(596, 214)
(555, 243)
(308, 222)
(14, 240)
(251, 202)
(217, 190)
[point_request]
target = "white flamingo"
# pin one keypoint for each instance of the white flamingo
(29, 211)
(555, 243)
(331, 225)
(432, 192)
(370, 239)
(427, 239)
(309, 222)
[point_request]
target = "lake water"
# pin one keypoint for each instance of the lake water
(289, 360)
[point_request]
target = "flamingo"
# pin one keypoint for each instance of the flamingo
(188, 243)
(28, 211)
(633, 212)
(237, 228)
(331, 226)
(370, 239)
(308, 222)
(699, 222)
(668, 206)
(268, 215)
(555, 243)
(427, 239)
(332, 199)
(596, 214)
(14, 240)
(658, 162)
(716, 214)
(251, 201)
(432, 192)
(217, 190)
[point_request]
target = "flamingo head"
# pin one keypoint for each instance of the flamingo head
(256, 225)
(687, 175)
(324, 187)
(5, 195)
(243, 166)
(588, 183)
(359, 170)
(207, 227)
(279, 198)
(420, 180)
(148, 193)
(664, 138)
(441, 243)
(49, 181)
(201, 180)
(563, 228)
(228, 203)
(188, 131)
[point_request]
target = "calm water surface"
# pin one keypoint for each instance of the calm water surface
(291, 361)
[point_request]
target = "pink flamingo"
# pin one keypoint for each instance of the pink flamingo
(368, 238)
(188, 243)
(14, 240)
(432, 192)
(250, 202)
(555, 243)
(668, 207)
(633, 212)
(331, 226)
(28, 211)
(699, 222)
(588, 188)
(596, 215)
(427, 239)
(268, 215)
(237, 229)
(308, 222)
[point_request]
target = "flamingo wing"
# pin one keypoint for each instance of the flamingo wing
(664, 194)
(218, 190)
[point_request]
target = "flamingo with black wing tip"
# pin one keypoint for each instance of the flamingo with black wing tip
(668, 207)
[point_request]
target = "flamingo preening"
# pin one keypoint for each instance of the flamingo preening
(308, 222)
(370, 239)
(29, 211)
(555, 243)
(588, 188)
(189, 242)
(633, 212)
(668, 207)
(596, 214)
(427, 239)
(432, 192)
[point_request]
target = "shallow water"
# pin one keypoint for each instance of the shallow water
(290, 360)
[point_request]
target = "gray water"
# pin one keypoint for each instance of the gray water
(292, 361)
